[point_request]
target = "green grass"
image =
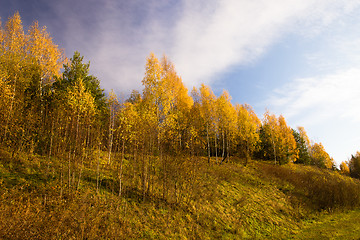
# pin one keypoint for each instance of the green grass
(343, 225)
(230, 201)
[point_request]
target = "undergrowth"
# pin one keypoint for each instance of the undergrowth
(323, 189)
(228, 201)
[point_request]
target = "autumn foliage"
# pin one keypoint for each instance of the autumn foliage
(161, 145)
(53, 113)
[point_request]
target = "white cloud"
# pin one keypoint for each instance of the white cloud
(203, 38)
(212, 39)
(327, 106)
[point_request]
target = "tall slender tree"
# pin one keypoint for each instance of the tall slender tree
(278, 142)
(29, 62)
(207, 99)
(113, 105)
(248, 125)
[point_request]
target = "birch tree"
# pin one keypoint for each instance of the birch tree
(248, 125)
(277, 140)
(207, 99)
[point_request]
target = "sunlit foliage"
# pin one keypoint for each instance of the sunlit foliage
(101, 162)
(278, 143)
(320, 157)
(344, 168)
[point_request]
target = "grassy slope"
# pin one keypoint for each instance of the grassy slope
(335, 226)
(225, 202)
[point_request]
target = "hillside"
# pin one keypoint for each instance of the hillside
(162, 162)
(228, 201)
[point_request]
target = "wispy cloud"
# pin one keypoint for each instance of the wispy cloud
(328, 106)
(336, 95)
(203, 38)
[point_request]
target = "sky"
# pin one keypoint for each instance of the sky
(298, 58)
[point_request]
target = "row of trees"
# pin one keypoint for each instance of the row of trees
(148, 136)
(204, 124)
(36, 99)
(29, 64)
(42, 110)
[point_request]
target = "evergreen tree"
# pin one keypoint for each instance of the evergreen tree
(354, 165)
(304, 156)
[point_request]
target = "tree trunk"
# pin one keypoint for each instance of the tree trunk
(10, 110)
(164, 179)
(208, 141)
(274, 149)
(223, 147)
(51, 138)
(121, 166)
(77, 132)
(247, 153)
(98, 170)
(50, 147)
(228, 151)
(61, 180)
(143, 172)
(69, 165)
(81, 169)
(216, 150)
(111, 135)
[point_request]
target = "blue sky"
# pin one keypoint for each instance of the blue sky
(299, 58)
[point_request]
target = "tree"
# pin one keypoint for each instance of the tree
(227, 120)
(207, 99)
(304, 136)
(176, 104)
(344, 168)
(248, 125)
(75, 70)
(76, 78)
(5, 88)
(44, 53)
(197, 140)
(78, 106)
(5, 100)
(12, 61)
(320, 157)
(81, 106)
(289, 151)
(303, 145)
(277, 139)
(49, 59)
(152, 111)
(128, 132)
(29, 62)
(113, 105)
(354, 165)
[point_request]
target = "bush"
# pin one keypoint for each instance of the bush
(326, 190)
